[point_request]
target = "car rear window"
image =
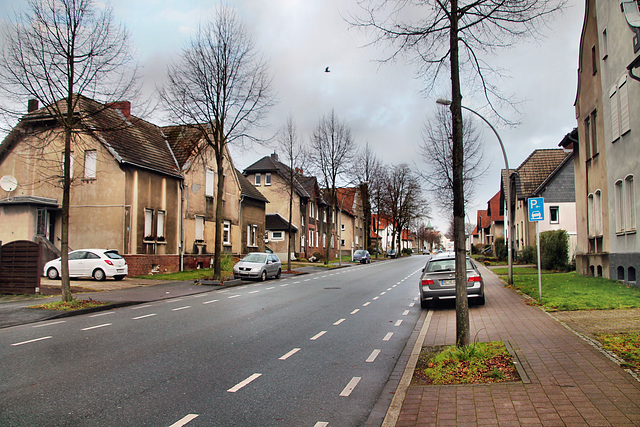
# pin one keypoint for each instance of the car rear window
(444, 265)
(113, 255)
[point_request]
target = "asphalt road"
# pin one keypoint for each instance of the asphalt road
(313, 350)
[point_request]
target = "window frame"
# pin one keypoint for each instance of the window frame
(209, 188)
(90, 164)
(161, 218)
(199, 228)
(257, 180)
(226, 232)
(267, 179)
(148, 224)
(555, 209)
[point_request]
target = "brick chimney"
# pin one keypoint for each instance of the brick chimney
(123, 106)
(274, 156)
(32, 105)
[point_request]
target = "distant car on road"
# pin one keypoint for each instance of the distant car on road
(362, 256)
(438, 280)
(391, 253)
(258, 265)
(96, 263)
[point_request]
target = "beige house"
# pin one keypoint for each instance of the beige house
(133, 189)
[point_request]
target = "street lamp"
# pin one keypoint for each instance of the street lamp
(508, 189)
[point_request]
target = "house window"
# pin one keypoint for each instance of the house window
(341, 227)
(70, 164)
(148, 224)
(199, 228)
(209, 184)
(591, 215)
(623, 94)
(597, 201)
(554, 214)
(324, 240)
(90, 160)
(257, 180)
(302, 242)
(324, 216)
(605, 44)
(160, 225)
(594, 60)
(594, 136)
(277, 235)
(267, 179)
(631, 203)
(226, 232)
(615, 114)
(311, 243)
(620, 213)
(252, 235)
(587, 136)
(341, 242)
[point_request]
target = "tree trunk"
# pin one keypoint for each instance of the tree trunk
(462, 304)
(290, 219)
(217, 255)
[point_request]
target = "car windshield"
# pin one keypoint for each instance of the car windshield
(113, 255)
(261, 258)
(444, 265)
(359, 252)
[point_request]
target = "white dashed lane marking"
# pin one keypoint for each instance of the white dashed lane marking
(30, 341)
(350, 387)
(241, 384)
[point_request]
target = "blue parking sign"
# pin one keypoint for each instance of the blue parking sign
(536, 209)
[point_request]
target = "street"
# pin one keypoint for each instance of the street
(312, 350)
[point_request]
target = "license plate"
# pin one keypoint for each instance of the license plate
(120, 270)
(449, 282)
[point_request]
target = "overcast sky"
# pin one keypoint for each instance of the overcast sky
(381, 103)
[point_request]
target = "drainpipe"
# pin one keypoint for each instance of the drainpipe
(181, 244)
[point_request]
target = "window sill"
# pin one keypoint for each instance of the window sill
(161, 242)
(88, 179)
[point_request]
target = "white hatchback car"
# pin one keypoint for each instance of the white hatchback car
(96, 263)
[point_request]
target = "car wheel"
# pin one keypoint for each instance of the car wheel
(480, 300)
(279, 274)
(52, 274)
(98, 275)
(118, 277)
(263, 276)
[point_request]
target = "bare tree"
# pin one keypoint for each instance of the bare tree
(450, 36)
(436, 151)
(332, 154)
(377, 191)
(367, 167)
(294, 154)
(404, 200)
(221, 88)
(57, 52)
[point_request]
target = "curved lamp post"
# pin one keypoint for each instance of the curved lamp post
(508, 185)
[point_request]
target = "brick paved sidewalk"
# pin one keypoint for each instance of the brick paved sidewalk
(569, 381)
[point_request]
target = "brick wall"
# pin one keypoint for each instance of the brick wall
(140, 265)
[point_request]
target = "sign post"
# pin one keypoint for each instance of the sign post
(536, 214)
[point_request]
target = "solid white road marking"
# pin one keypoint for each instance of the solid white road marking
(243, 383)
(372, 356)
(406, 312)
(48, 324)
(349, 388)
(289, 354)
(184, 420)
(388, 336)
(30, 341)
(181, 308)
(318, 335)
(355, 311)
(96, 327)
(210, 302)
(142, 317)
(339, 321)
(398, 323)
(366, 304)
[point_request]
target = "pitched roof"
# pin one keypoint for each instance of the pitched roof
(271, 164)
(276, 222)
(494, 208)
(183, 140)
(248, 190)
(129, 139)
(536, 168)
(484, 220)
(347, 196)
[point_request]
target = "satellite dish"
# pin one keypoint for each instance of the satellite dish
(8, 183)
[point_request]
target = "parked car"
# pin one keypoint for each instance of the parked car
(391, 253)
(362, 256)
(96, 263)
(258, 265)
(438, 280)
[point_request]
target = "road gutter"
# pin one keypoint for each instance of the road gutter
(393, 413)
